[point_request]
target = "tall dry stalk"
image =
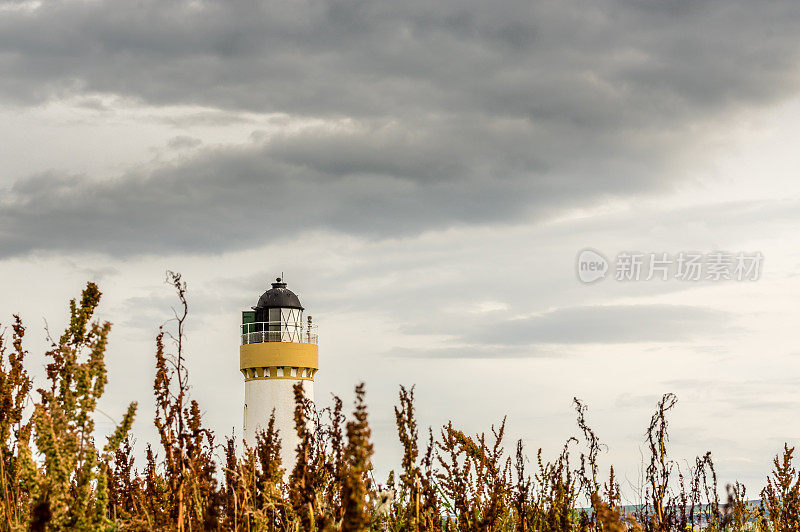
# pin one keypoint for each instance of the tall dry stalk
(357, 464)
(15, 430)
(188, 471)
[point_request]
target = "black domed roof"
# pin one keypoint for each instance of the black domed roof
(278, 297)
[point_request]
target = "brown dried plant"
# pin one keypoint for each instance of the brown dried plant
(780, 499)
(738, 512)
(474, 477)
(15, 430)
(54, 477)
(657, 514)
(188, 468)
(308, 477)
(252, 494)
(357, 464)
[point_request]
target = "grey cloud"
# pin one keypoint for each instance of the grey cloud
(369, 182)
(150, 312)
(373, 179)
(769, 406)
(442, 114)
(741, 387)
(549, 335)
(183, 142)
(478, 352)
(560, 62)
(629, 400)
(93, 103)
(608, 324)
(729, 398)
(206, 117)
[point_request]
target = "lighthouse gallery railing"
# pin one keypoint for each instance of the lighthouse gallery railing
(278, 331)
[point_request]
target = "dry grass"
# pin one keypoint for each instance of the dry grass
(54, 476)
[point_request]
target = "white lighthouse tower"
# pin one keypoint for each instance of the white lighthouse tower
(278, 350)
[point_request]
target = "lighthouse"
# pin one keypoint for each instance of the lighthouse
(278, 350)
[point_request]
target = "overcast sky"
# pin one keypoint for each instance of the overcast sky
(424, 174)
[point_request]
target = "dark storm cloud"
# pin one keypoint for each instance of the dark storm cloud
(375, 181)
(590, 63)
(438, 114)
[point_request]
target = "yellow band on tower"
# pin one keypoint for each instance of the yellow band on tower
(278, 354)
